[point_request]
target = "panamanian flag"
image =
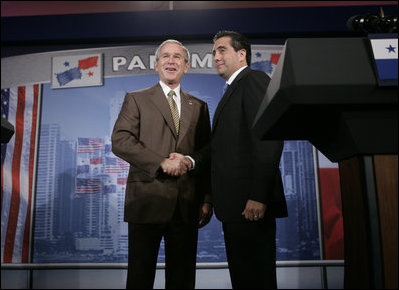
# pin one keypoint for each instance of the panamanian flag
(266, 59)
(385, 53)
(76, 71)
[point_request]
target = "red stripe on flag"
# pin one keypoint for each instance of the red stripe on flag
(332, 213)
(2, 182)
(25, 246)
(88, 62)
(16, 166)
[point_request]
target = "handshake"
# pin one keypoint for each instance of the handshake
(176, 165)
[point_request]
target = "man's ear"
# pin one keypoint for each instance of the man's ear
(186, 67)
(242, 53)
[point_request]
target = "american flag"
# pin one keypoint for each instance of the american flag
(88, 185)
(331, 206)
(89, 145)
(19, 105)
(116, 165)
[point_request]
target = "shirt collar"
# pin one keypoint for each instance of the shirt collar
(234, 75)
(167, 89)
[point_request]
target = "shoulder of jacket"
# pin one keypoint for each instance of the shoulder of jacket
(140, 93)
(258, 73)
(255, 74)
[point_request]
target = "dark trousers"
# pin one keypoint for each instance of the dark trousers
(180, 254)
(251, 254)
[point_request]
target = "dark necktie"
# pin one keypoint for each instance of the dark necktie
(174, 110)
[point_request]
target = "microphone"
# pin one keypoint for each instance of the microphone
(373, 23)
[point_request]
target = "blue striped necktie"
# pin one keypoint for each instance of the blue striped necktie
(225, 87)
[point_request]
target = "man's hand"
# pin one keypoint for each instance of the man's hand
(205, 214)
(185, 162)
(254, 210)
(176, 165)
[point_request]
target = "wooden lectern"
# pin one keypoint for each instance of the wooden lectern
(325, 90)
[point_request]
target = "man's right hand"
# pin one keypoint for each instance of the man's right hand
(176, 165)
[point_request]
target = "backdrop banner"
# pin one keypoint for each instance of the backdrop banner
(77, 184)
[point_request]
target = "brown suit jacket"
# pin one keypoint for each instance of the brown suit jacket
(143, 135)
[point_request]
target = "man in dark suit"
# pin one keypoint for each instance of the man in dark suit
(247, 190)
(167, 194)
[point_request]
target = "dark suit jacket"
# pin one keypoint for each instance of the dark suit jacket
(143, 135)
(242, 166)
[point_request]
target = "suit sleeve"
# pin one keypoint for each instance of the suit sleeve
(203, 137)
(126, 143)
(202, 154)
(266, 154)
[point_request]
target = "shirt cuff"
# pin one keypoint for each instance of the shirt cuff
(192, 161)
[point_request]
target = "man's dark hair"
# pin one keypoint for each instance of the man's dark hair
(238, 41)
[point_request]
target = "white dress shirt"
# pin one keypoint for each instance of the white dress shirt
(176, 97)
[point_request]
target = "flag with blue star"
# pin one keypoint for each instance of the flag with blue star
(385, 52)
(265, 59)
(76, 71)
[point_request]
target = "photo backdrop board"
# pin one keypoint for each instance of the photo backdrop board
(77, 185)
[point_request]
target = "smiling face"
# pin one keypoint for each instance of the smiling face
(226, 59)
(171, 65)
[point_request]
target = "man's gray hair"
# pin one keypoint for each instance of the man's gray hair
(186, 52)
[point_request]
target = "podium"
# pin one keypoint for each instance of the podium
(325, 90)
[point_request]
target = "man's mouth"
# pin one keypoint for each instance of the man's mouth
(170, 69)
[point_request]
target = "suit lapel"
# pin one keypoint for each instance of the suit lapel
(227, 96)
(222, 103)
(158, 98)
(187, 111)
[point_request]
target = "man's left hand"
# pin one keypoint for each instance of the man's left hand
(254, 210)
(205, 214)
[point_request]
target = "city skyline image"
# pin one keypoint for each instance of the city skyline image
(80, 183)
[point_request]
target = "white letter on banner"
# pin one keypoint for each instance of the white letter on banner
(117, 61)
(136, 62)
(152, 61)
(206, 62)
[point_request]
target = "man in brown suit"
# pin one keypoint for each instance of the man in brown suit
(167, 194)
